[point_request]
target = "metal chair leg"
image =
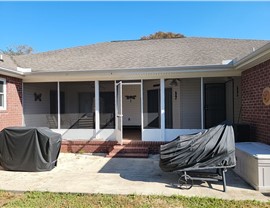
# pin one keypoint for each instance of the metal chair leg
(224, 180)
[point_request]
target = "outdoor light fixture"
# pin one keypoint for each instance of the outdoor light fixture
(130, 97)
(174, 82)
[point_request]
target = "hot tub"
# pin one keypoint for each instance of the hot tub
(253, 164)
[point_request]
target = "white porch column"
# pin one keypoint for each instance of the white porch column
(58, 106)
(142, 123)
(97, 117)
(202, 104)
(162, 108)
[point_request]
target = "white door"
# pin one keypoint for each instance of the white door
(119, 113)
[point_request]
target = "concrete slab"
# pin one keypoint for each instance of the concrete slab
(85, 173)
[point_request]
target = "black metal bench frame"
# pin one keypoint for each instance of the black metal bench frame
(186, 179)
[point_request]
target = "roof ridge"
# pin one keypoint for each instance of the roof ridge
(138, 40)
(238, 39)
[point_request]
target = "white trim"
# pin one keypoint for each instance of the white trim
(10, 72)
(162, 109)
(97, 115)
(142, 127)
(125, 75)
(131, 83)
(202, 103)
(58, 106)
(23, 120)
(186, 68)
(256, 57)
(4, 107)
(118, 115)
(115, 108)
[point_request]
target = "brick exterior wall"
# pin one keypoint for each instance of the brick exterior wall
(12, 116)
(105, 147)
(254, 112)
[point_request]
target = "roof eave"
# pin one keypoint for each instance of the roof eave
(258, 56)
(11, 73)
(205, 68)
(134, 73)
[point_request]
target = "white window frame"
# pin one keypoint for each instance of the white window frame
(4, 93)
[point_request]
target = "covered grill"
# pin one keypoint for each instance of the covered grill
(29, 149)
(213, 148)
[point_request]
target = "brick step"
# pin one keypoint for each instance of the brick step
(128, 155)
(128, 151)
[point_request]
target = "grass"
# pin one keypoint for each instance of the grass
(55, 200)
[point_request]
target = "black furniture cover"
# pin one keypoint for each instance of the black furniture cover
(29, 149)
(212, 148)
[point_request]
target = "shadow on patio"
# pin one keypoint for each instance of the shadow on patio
(147, 170)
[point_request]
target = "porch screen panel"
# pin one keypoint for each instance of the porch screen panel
(172, 103)
(151, 104)
(107, 104)
(77, 105)
(40, 105)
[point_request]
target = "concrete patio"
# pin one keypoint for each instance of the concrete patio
(85, 173)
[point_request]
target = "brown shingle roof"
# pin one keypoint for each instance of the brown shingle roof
(140, 54)
(8, 62)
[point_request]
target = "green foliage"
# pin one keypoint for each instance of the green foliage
(162, 35)
(18, 50)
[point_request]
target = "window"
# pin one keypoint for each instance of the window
(2, 94)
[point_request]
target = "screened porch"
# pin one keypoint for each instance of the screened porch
(160, 109)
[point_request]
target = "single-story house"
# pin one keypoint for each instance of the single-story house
(153, 90)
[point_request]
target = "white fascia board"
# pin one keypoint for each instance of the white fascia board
(10, 72)
(258, 56)
(131, 74)
(143, 69)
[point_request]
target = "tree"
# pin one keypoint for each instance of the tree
(162, 35)
(18, 50)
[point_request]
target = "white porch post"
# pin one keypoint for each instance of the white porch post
(142, 123)
(202, 104)
(162, 108)
(58, 106)
(97, 117)
(23, 120)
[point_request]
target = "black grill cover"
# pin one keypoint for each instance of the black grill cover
(29, 149)
(212, 148)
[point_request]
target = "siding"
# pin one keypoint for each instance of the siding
(237, 100)
(35, 112)
(233, 100)
(131, 108)
(190, 103)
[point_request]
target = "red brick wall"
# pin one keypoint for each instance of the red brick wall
(12, 116)
(254, 112)
(105, 147)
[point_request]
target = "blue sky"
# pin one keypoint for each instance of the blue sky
(55, 25)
